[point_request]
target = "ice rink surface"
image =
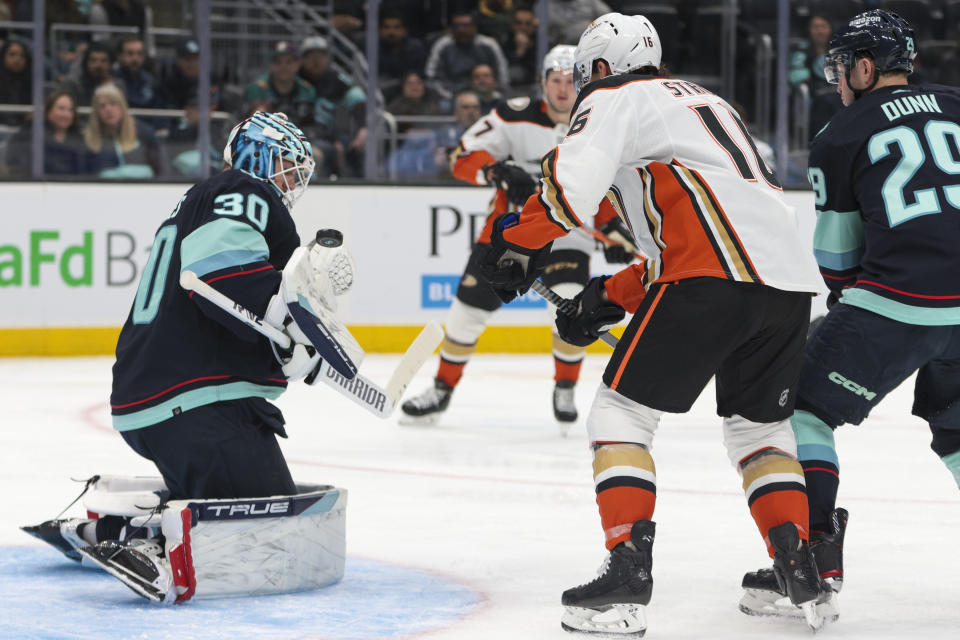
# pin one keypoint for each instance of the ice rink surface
(471, 529)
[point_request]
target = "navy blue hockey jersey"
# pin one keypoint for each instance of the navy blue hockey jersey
(177, 351)
(886, 177)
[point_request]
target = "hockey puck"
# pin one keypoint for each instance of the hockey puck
(329, 238)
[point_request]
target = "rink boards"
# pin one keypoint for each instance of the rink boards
(71, 256)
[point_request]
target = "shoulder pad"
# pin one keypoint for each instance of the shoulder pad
(524, 109)
(610, 82)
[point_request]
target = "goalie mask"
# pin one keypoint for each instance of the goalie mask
(269, 147)
(625, 43)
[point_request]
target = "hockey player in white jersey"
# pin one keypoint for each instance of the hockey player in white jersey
(725, 293)
(504, 149)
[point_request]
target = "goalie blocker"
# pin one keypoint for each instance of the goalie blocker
(224, 548)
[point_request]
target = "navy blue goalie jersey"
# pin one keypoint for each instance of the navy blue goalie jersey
(177, 351)
(886, 177)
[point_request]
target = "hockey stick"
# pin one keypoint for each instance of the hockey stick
(369, 395)
(567, 308)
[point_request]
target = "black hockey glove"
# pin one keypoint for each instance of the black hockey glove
(509, 268)
(622, 252)
(594, 316)
(515, 181)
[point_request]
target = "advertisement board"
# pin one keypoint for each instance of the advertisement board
(71, 254)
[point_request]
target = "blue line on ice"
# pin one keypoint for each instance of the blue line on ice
(45, 596)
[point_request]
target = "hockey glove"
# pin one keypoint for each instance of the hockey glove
(516, 182)
(595, 314)
(509, 268)
(622, 252)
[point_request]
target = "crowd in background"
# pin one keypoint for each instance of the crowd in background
(439, 71)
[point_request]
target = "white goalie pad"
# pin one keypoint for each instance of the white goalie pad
(256, 546)
(309, 292)
(128, 496)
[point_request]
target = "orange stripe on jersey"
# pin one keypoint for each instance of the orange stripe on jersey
(636, 337)
(554, 192)
(467, 165)
(728, 234)
(608, 210)
(626, 287)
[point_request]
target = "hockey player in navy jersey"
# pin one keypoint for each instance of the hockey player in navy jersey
(884, 175)
(192, 384)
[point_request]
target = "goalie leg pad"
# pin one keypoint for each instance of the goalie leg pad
(257, 546)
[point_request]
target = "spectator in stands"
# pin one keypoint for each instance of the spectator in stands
(399, 52)
(806, 67)
(63, 148)
(340, 113)
(119, 13)
(567, 19)
(281, 89)
(425, 152)
(494, 18)
(16, 80)
(456, 53)
(484, 83)
(117, 145)
(415, 98)
(182, 143)
(138, 85)
(520, 48)
(94, 71)
(180, 79)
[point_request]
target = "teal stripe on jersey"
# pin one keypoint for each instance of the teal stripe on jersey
(223, 260)
(953, 463)
(814, 437)
(224, 243)
(838, 239)
(909, 314)
(193, 399)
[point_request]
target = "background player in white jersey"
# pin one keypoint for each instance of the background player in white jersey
(726, 293)
(504, 149)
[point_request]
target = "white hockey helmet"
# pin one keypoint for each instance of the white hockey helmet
(626, 43)
(560, 58)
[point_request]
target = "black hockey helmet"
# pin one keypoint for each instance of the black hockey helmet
(887, 37)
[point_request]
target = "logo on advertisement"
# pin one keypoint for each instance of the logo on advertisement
(438, 292)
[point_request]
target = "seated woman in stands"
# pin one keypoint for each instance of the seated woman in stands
(63, 149)
(119, 146)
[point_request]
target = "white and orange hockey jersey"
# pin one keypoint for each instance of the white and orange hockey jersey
(519, 130)
(685, 176)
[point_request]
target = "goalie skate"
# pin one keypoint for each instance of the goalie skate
(137, 565)
(61, 534)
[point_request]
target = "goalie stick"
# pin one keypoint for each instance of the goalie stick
(369, 395)
(567, 308)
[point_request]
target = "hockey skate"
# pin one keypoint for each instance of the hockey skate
(426, 408)
(614, 604)
(63, 535)
(763, 596)
(564, 407)
(138, 564)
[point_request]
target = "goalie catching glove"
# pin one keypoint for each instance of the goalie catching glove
(623, 251)
(509, 268)
(516, 182)
(595, 314)
(305, 309)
